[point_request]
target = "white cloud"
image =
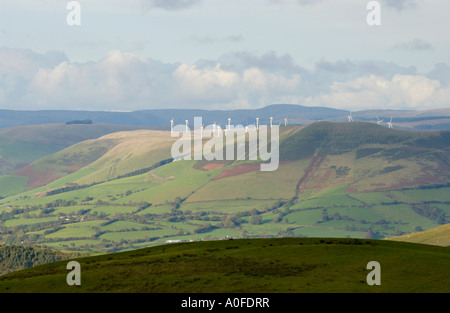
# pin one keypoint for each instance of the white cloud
(211, 84)
(400, 92)
(124, 81)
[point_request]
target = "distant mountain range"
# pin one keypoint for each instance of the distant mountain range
(295, 114)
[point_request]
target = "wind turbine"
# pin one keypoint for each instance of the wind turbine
(379, 121)
(257, 123)
(218, 130)
(285, 121)
(271, 119)
(187, 126)
(350, 118)
(390, 123)
(171, 126)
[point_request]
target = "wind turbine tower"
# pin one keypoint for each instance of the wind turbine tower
(390, 123)
(350, 118)
(257, 123)
(285, 121)
(271, 119)
(171, 126)
(379, 121)
(187, 126)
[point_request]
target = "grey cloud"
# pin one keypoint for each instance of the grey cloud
(414, 45)
(208, 39)
(400, 5)
(347, 69)
(15, 61)
(170, 5)
(308, 2)
(441, 72)
(269, 62)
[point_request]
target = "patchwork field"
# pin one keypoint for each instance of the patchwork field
(122, 191)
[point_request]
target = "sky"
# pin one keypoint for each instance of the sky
(128, 55)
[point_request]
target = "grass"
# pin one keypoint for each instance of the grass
(307, 217)
(340, 200)
(372, 198)
(405, 217)
(226, 206)
(288, 265)
(424, 195)
(12, 184)
(357, 213)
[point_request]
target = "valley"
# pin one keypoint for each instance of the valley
(122, 192)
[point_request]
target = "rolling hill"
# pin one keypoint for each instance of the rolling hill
(23, 145)
(439, 236)
(121, 191)
(284, 265)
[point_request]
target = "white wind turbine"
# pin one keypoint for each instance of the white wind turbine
(271, 119)
(257, 123)
(390, 123)
(171, 126)
(218, 130)
(350, 118)
(285, 121)
(379, 121)
(187, 128)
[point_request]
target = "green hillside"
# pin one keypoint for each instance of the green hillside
(20, 146)
(288, 265)
(439, 236)
(356, 180)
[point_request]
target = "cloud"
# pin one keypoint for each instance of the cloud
(300, 2)
(170, 5)
(400, 5)
(413, 45)
(208, 39)
(441, 72)
(308, 2)
(402, 91)
(269, 62)
(125, 81)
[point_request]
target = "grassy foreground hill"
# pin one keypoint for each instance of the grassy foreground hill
(289, 265)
